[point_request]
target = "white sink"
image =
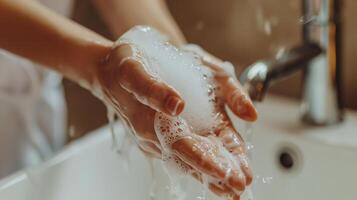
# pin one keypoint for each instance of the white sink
(325, 157)
(325, 161)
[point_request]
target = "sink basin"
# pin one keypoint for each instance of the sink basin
(325, 160)
(290, 160)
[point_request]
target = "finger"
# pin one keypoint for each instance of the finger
(233, 93)
(140, 123)
(200, 155)
(220, 190)
(237, 99)
(133, 77)
(236, 180)
(236, 197)
(235, 145)
(246, 169)
(205, 158)
(223, 191)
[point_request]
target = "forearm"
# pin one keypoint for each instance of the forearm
(121, 15)
(31, 30)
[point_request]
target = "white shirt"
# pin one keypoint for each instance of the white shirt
(32, 108)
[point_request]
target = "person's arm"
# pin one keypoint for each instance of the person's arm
(31, 30)
(121, 15)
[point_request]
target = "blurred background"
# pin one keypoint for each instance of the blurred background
(239, 31)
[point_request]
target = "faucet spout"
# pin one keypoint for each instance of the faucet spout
(320, 58)
(259, 76)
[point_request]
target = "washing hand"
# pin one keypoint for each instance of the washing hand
(139, 98)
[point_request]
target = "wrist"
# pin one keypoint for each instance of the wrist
(86, 60)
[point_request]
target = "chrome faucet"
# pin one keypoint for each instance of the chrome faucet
(320, 58)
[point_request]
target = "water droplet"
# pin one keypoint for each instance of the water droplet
(267, 180)
(210, 91)
(249, 146)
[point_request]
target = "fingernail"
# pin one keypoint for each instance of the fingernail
(237, 181)
(246, 109)
(174, 105)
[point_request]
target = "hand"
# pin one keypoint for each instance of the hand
(140, 99)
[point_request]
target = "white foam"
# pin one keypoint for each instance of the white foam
(180, 69)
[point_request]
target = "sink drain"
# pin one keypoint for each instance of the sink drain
(286, 160)
(289, 158)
